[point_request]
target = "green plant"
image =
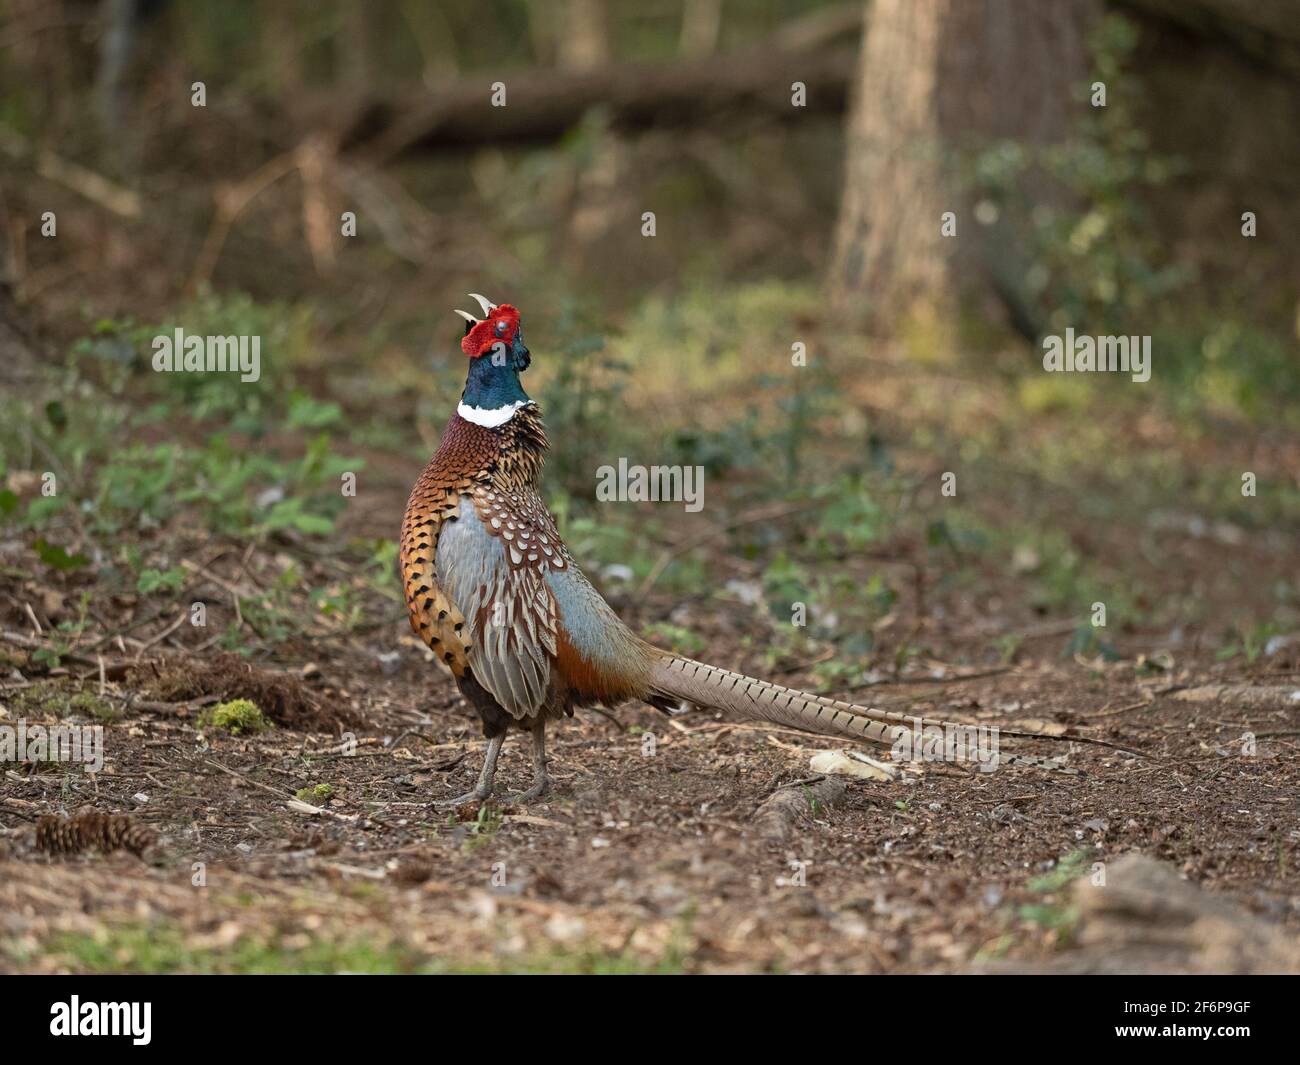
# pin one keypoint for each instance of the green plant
(58, 557)
(674, 637)
(237, 716)
(1008, 646)
(1049, 914)
(584, 394)
(1248, 641)
(849, 512)
(153, 580)
(317, 794)
(1087, 642)
(1065, 870)
(65, 637)
(487, 822)
(1092, 261)
(802, 394)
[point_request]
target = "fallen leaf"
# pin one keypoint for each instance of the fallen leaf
(841, 763)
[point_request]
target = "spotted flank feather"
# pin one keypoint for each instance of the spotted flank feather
(435, 498)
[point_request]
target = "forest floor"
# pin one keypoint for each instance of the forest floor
(312, 845)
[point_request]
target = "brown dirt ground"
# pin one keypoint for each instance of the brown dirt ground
(656, 860)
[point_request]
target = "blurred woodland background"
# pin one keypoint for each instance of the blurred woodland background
(798, 172)
(798, 157)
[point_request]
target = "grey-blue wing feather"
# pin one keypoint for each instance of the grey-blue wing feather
(510, 612)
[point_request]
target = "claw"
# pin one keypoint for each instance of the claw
(540, 788)
(461, 800)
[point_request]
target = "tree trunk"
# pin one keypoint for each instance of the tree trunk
(584, 44)
(937, 78)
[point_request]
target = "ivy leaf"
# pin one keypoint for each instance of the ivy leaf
(42, 509)
(56, 415)
(152, 580)
(56, 556)
(289, 514)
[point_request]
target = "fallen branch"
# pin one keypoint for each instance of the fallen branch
(781, 813)
(542, 105)
(231, 201)
(86, 183)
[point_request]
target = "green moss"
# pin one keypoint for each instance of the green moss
(89, 704)
(236, 717)
(317, 794)
(57, 699)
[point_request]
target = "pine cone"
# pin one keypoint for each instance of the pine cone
(91, 829)
(57, 835)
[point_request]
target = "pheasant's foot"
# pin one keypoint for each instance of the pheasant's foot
(483, 789)
(541, 779)
(541, 785)
(461, 800)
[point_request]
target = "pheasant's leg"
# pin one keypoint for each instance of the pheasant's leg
(483, 788)
(541, 779)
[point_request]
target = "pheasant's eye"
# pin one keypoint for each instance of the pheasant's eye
(501, 326)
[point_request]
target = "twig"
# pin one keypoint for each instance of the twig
(816, 778)
(609, 717)
(248, 780)
(32, 614)
(1149, 700)
(37, 645)
(162, 635)
(392, 744)
(231, 201)
(799, 667)
(941, 681)
(94, 187)
(133, 625)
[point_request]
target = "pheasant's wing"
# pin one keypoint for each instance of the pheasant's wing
(493, 563)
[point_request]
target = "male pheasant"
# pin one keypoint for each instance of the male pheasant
(493, 591)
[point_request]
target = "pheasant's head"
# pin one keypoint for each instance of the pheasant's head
(495, 346)
(497, 336)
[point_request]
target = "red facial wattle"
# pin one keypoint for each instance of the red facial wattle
(499, 327)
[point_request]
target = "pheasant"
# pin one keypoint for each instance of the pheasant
(493, 591)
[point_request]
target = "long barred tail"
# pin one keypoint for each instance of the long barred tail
(674, 678)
